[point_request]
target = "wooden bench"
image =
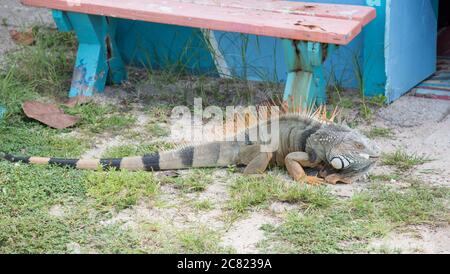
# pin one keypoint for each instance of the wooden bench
(310, 31)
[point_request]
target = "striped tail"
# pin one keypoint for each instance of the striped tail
(217, 154)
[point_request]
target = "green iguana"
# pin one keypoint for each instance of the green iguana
(306, 140)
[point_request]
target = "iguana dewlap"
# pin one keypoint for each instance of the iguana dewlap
(304, 141)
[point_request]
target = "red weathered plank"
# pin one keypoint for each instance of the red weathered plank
(216, 17)
(347, 12)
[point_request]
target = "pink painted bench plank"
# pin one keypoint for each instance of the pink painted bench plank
(253, 17)
(347, 12)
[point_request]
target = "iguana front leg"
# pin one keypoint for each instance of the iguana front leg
(295, 162)
(259, 164)
(335, 178)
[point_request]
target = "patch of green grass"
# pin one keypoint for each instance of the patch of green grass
(25, 188)
(97, 118)
(415, 205)
(120, 189)
(136, 150)
(13, 94)
(365, 111)
(166, 238)
(379, 133)
(346, 103)
(34, 139)
(250, 191)
(156, 130)
(384, 177)
(33, 233)
(310, 196)
(369, 105)
(115, 123)
(98, 238)
(378, 101)
(26, 225)
(348, 225)
(42, 70)
(45, 67)
(402, 160)
(159, 113)
(195, 181)
(203, 205)
(386, 250)
(200, 241)
(38, 232)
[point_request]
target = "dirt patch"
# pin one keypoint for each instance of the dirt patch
(411, 111)
(172, 208)
(101, 145)
(57, 211)
(218, 190)
(246, 234)
(280, 208)
(14, 15)
(420, 126)
(420, 239)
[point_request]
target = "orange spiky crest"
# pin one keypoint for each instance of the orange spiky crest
(319, 113)
(265, 111)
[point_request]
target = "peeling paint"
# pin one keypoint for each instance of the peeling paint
(81, 82)
(309, 26)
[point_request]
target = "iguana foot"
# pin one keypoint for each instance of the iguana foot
(337, 178)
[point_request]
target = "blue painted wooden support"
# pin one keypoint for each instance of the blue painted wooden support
(373, 68)
(62, 21)
(305, 84)
(98, 58)
(117, 70)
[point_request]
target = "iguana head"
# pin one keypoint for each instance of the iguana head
(344, 149)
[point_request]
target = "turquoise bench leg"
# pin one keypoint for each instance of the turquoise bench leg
(98, 58)
(117, 70)
(62, 20)
(305, 84)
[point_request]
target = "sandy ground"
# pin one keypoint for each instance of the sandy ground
(15, 16)
(420, 125)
